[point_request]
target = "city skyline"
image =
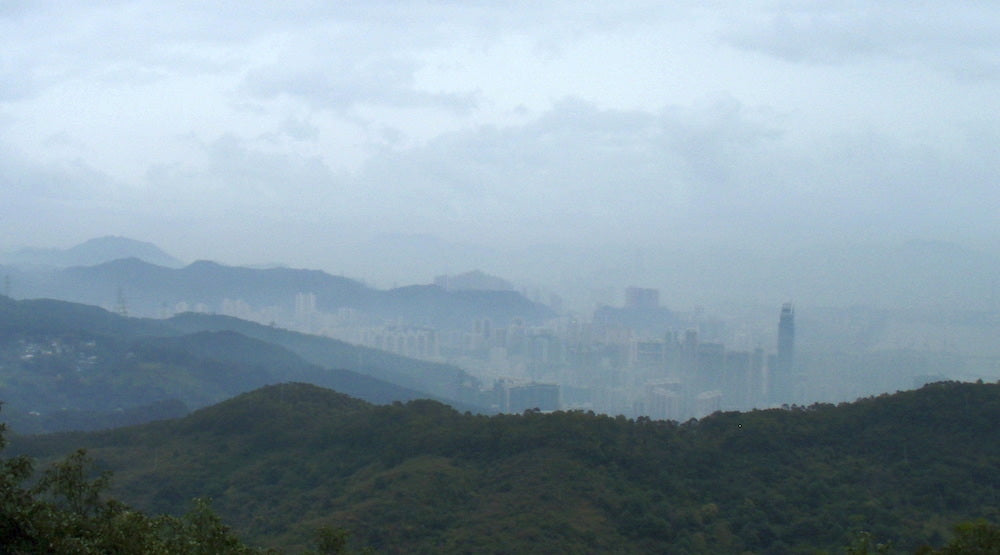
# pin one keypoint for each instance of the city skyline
(637, 357)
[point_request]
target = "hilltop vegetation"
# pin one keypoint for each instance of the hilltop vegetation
(286, 460)
(64, 510)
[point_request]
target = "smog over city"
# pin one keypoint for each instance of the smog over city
(648, 210)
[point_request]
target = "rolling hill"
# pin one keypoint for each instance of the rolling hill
(71, 366)
(283, 461)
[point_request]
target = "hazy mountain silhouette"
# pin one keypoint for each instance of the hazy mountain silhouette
(92, 252)
(72, 366)
(440, 381)
(149, 289)
(475, 280)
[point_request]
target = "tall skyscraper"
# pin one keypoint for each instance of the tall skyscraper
(781, 376)
(786, 336)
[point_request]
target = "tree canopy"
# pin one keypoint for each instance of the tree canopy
(285, 461)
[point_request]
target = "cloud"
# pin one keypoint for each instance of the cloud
(70, 182)
(299, 130)
(960, 38)
(554, 122)
(234, 176)
(55, 203)
(340, 85)
(718, 172)
(576, 173)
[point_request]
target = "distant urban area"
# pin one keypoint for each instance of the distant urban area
(638, 360)
(498, 347)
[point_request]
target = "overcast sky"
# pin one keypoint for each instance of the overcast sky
(279, 131)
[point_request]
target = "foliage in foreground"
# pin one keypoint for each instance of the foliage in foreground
(422, 478)
(65, 511)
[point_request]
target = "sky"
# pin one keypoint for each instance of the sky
(254, 132)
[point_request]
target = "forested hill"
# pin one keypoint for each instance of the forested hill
(285, 460)
(66, 366)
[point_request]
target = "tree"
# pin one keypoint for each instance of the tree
(978, 537)
(864, 544)
(68, 512)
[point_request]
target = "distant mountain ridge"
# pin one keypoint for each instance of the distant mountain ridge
(92, 252)
(474, 280)
(436, 380)
(148, 289)
(71, 366)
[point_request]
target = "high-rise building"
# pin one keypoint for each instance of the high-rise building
(707, 402)
(710, 365)
(305, 306)
(781, 375)
(642, 298)
(758, 379)
(786, 336)
(519, 397)
(736, 380)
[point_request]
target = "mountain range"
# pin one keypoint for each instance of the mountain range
(925, 275)
(147, 289)
(89, 253)
(72, 366)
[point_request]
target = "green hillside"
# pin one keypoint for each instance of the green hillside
(283, 461)
(66, 366)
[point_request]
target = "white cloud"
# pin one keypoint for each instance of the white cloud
(341, 85)
(719, 171)
(959, 37)
(555, 122)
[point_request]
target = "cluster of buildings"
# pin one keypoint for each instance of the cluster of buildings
(638, 360)
(54, 355)
(704, 377)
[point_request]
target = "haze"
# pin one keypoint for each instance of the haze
(565, 144)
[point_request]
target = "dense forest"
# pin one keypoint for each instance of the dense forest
(284, 461)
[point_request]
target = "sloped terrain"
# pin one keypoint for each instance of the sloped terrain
(66, 366)
(285, 460)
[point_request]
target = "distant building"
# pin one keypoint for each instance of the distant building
(782, 372)
(708, 402)
(519, 397)
(641, 298)
(642, 313)
(649, 353)
(410, 341)
(305, 311)
(710, 364)
(736, 383)
(664, 399)
(305, 305)
(757, 385)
